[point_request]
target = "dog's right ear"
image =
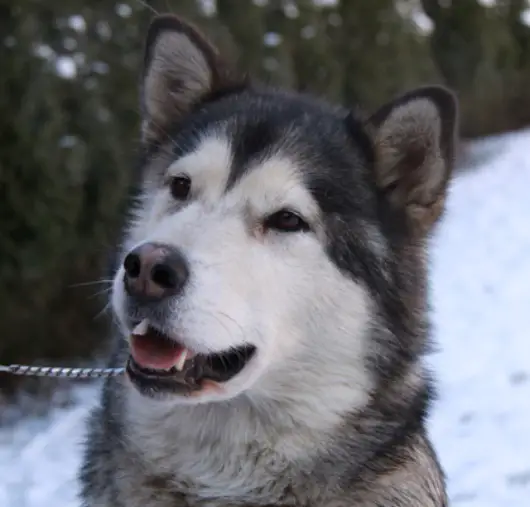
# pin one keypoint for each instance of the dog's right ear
(180, 68)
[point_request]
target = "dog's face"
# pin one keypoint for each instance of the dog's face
(267, 227)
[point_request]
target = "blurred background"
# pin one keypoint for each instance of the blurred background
(69, 123)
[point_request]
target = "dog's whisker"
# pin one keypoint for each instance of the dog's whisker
(105, 309)
(95, 282)
(147, 5)
(100, 293)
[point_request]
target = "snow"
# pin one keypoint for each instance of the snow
(39, 457)
(480, 298)
(481, 421)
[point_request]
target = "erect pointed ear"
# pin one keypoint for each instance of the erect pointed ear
(414, 140)
(181, 67)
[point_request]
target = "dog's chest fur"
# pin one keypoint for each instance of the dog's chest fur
(214, 458)
(244, 477)
(220, 467)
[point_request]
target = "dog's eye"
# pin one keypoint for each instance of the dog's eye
(179, 187)
(286, 221)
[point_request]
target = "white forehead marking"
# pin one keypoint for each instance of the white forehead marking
(273, 184)
(208, 166)
(267, 186)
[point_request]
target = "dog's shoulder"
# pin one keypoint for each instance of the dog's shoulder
(412, 477)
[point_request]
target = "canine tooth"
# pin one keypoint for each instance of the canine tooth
(141, 328)
(179, 365)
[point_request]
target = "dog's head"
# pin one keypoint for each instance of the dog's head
(277, 245)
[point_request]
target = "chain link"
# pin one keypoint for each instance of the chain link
(50, 371)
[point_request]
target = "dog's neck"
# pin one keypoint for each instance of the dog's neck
(289, 426)
(237, 449)
(242, 448)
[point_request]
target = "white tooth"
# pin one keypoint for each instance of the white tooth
(141, 328)
(179, 365)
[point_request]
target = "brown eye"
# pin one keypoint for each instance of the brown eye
(286, 221)
(179, 187)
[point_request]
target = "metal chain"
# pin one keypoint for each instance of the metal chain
(50, 371)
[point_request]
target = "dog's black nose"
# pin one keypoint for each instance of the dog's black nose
(154, 271)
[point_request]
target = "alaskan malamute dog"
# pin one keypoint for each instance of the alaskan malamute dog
(272, 296)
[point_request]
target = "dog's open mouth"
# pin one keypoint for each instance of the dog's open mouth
(159, 363)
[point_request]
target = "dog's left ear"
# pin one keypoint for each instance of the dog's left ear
(181, 67)
(414, 140)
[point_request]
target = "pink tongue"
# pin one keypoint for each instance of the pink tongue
(157, 354)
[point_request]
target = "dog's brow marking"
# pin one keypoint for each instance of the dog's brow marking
(208, 166)
(273, 184)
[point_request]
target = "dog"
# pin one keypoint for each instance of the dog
(271, 295)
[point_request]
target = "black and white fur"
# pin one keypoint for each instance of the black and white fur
(331, 409)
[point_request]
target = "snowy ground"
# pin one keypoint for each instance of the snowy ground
(481, 300)
(481, 297)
